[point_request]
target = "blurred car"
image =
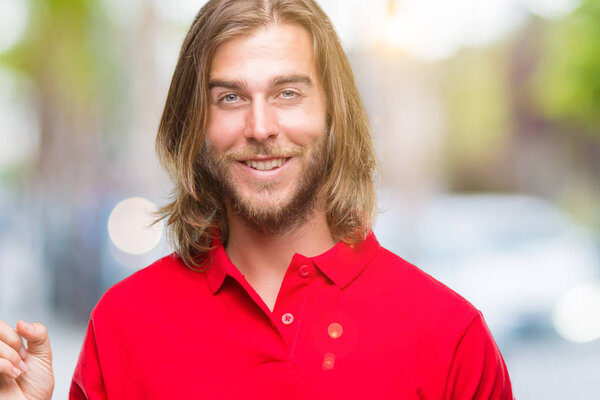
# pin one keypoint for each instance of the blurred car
(512, 256)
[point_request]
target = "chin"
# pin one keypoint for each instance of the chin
(274, 216)
(263, 205)
(264, 198)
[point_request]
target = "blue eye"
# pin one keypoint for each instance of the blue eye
(288, 94)
(230, 98)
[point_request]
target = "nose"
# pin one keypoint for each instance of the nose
(261, 123)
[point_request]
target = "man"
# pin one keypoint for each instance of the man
(278, 288)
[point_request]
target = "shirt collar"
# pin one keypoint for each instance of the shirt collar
(341, 264)
(219, 266)
(344, 262)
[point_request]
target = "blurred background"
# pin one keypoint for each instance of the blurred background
(486, 121)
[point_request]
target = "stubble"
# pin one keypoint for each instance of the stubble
(287, 214)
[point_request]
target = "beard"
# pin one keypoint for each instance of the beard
(287, 213)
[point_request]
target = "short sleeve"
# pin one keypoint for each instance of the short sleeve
(87, 380)
(478, 370)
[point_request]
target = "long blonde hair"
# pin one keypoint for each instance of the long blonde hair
(196, 214)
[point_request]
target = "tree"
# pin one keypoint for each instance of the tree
(567, 85)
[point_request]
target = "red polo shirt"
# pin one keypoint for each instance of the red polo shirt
(356, 322)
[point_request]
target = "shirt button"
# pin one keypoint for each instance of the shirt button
(304, 271)
(335, 330)
(328, 361)
(287, 318)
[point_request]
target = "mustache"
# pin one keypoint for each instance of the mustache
(263, 150)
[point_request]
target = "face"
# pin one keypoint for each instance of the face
(265, 142)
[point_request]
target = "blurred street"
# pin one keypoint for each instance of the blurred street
(550, 368)
(485, 118)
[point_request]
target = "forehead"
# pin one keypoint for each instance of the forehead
(279, 49)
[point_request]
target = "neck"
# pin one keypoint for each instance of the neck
(262, 255)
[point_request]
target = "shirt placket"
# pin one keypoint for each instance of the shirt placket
(289, 312)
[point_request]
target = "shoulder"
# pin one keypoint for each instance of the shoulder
(148, 286)
(408, 275)
(413, 293)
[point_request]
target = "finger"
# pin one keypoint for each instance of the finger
(6, 368)
(38, 343)
(9, 336)
(10, 354)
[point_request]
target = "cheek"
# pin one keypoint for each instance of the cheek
(305, 128)
(224, 130)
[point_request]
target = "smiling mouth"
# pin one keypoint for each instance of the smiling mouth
(265, 165)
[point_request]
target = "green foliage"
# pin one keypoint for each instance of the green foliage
(59, 49)
(479, 117)
(567, 85)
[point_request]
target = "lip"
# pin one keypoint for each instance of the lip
(265, 158)
(263, 174)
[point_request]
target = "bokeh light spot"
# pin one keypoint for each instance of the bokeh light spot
(328, 361)
(576, 315)
(129, 226)
(13, 21)
(552, 8)
(335, 330)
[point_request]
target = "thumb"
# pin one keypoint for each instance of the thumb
(38, 343)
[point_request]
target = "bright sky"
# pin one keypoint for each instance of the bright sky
(434, 29)
(13, 17)
(427, 29)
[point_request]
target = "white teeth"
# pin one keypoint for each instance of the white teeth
(265, 165)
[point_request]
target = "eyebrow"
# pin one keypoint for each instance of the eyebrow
(296, 78)
(236, 85)
(276, 81)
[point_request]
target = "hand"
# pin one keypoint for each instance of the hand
(25, 373)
